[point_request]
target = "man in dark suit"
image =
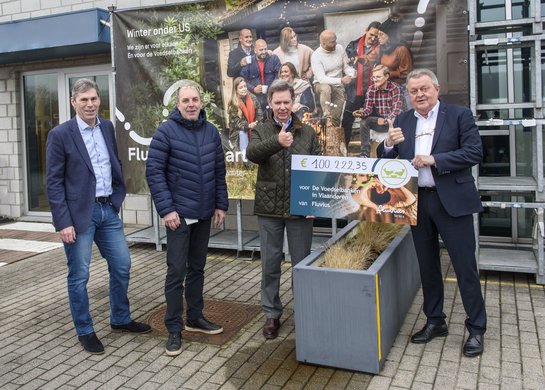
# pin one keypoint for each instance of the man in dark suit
(85, 188)
(443, 143)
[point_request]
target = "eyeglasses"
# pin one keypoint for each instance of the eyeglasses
(425, 132)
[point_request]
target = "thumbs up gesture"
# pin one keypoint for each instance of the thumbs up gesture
(284, 138)
(395, 135)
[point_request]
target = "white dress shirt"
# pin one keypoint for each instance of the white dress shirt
(424, 132)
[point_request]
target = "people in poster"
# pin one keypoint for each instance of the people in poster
(304, 96)
(395, 53)
(185, 170)
(362, 53)
(290, 50)
(272, 144)
(332, 71)
(261, 72)
(443, 143)
(240, 57)
(384, 102)
(244, 114)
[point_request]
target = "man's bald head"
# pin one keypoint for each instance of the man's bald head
(260, 49)
(328, 40)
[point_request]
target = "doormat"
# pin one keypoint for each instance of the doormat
(231, 315)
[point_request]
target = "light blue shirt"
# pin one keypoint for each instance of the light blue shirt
(288, 123)
(98, 153)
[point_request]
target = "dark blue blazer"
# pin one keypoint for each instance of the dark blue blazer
(456, 147)
(70, 179)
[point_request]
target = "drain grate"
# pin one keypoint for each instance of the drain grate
(231, 315)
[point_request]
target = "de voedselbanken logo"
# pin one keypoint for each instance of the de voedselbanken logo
(394, 173)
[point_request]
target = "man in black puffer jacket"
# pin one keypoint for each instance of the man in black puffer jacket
(271, 146)
(186, 176)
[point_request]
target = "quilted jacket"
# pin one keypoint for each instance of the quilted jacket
(186, 168)
(272, 190)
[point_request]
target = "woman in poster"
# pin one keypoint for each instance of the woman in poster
(304, 96)
(296, 53)
(244, 113)
(395, 54)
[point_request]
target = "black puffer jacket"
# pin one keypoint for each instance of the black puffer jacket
(272, 192)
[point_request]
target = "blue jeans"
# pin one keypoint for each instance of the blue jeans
(106, 230)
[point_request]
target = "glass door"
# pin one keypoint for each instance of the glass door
(41, 105)
(46, 102)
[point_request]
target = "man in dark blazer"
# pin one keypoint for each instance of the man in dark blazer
(443, 142)
(85, 188)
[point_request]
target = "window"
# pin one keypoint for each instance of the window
(492, 76)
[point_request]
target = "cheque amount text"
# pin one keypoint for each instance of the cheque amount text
(348, 164)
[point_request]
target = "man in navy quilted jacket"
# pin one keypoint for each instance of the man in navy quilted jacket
(186, 176)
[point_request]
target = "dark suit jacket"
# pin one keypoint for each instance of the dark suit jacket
(70, 179)
(456, 148)
(233, 62)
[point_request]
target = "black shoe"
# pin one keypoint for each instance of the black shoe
(270, 329)
(91, 343)
(474, 345)
(133, 327)
(429, 332)
(174, 344)
(203, 325)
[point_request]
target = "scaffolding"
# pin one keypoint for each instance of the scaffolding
(516, 37)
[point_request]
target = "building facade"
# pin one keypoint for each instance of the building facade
(47, 49)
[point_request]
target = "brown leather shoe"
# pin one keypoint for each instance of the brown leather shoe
(270, 329)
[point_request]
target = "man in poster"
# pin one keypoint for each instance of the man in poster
(362, 53)
(272, 144)
(443, 142)
(261, 72)
(240, 56)
(332, 72)
(384, 101)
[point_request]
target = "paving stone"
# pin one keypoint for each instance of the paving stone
(83, 378)
(511, 370)
(403, 379)
(379, 383)
(38, 347)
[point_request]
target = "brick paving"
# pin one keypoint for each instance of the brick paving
(38, 347)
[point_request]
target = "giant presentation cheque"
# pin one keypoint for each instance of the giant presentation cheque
(370, 189)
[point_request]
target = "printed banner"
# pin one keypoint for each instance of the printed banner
(370, 189)
(155, 47)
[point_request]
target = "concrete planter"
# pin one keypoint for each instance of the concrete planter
(350, 319)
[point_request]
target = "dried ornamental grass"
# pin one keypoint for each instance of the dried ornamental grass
(360, 249)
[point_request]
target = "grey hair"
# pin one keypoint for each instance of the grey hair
(186, 83)
(417, 73)
(82, 86)
(279, 86)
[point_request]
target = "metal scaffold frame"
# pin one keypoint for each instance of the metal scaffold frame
(525, 258)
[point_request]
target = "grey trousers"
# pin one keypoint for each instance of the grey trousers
(271, 232)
